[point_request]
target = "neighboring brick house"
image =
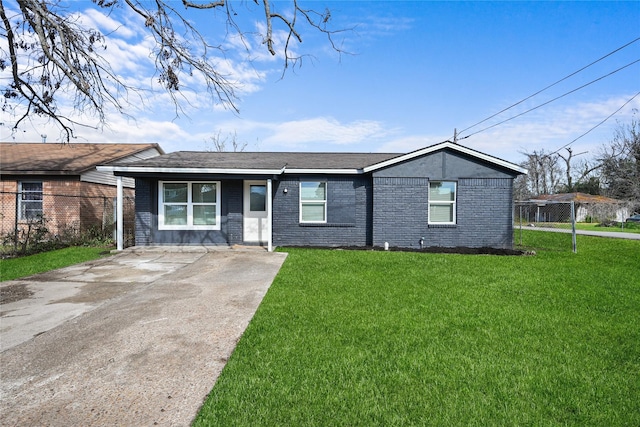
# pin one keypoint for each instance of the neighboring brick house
(443, 195)
(60, 183)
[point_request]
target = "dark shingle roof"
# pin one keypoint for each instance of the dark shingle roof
(257, 160)
(287, 162)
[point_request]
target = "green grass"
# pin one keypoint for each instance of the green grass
(364, 338)
(626, 227)
(14, 268)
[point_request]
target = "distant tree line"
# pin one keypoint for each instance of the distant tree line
(613, 171)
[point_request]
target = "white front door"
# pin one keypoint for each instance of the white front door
(255, 224)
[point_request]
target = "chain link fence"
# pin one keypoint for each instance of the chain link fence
(570, 217)
(36, 221)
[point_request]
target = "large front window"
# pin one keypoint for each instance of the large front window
(30, 200)
(313, 201)
(442, 202)
(189, 206)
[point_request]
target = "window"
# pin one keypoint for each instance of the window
(189, 206)
(313, 201)
(30, 200)
(442, 202)
(257, 198)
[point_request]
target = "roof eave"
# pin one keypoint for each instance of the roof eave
(219, 171)
(40, 173)
(226, 171)
(304, 171)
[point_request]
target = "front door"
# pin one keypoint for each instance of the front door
(255, 225)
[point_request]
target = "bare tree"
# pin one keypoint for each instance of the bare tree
(227, 143)
(620, 160)
(579, 177)
(52, 55)
(544, 172)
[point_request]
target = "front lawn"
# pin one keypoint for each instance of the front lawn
(390, 338)
(13, 268)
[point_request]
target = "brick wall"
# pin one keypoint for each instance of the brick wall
(147, 233)
(348, 214)
(400, 207)
(484, 214)
(7, 206)
(144, 200)
(361, 211)
(67, 205)
(232, 196)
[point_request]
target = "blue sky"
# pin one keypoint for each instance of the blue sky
(417, 71)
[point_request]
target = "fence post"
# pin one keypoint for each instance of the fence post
(520, 225)
(573, 226)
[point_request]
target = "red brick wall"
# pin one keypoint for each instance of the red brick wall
(67, 205)
(7, 206)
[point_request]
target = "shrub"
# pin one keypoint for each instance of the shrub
(34, 237)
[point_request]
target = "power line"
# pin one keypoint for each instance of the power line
(552, 100)
(550, 86)
(607, 118)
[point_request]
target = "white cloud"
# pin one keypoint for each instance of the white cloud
(410, 143)
(322, 130)
(107, 25)
(554, 128)
(548, 129)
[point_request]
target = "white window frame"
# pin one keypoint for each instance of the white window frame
(452, 203)
(21, 203)
(190, 204)
(310, 201)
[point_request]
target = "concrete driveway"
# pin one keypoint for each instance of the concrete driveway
(138, 338)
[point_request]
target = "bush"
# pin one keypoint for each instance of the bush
(632, 225)
(34, 237)
(609, 223)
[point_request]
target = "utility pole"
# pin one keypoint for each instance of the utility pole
(455, 135)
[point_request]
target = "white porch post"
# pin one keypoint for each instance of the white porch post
(269, 217)
(119, 214)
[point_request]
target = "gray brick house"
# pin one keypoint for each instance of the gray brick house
(443, 195)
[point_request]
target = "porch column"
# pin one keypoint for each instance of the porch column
(119, 214)
(269, 217)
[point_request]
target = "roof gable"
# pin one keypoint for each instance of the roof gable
(63, 159)
(450, 146)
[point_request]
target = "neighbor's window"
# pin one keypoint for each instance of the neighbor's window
(189, 205)
(442, 202)
(30, 200)
(313, 201)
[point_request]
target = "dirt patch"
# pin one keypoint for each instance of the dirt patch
(431, 249)
(13, 293)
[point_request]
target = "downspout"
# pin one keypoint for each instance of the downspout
(119, 215)
(269, 217)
